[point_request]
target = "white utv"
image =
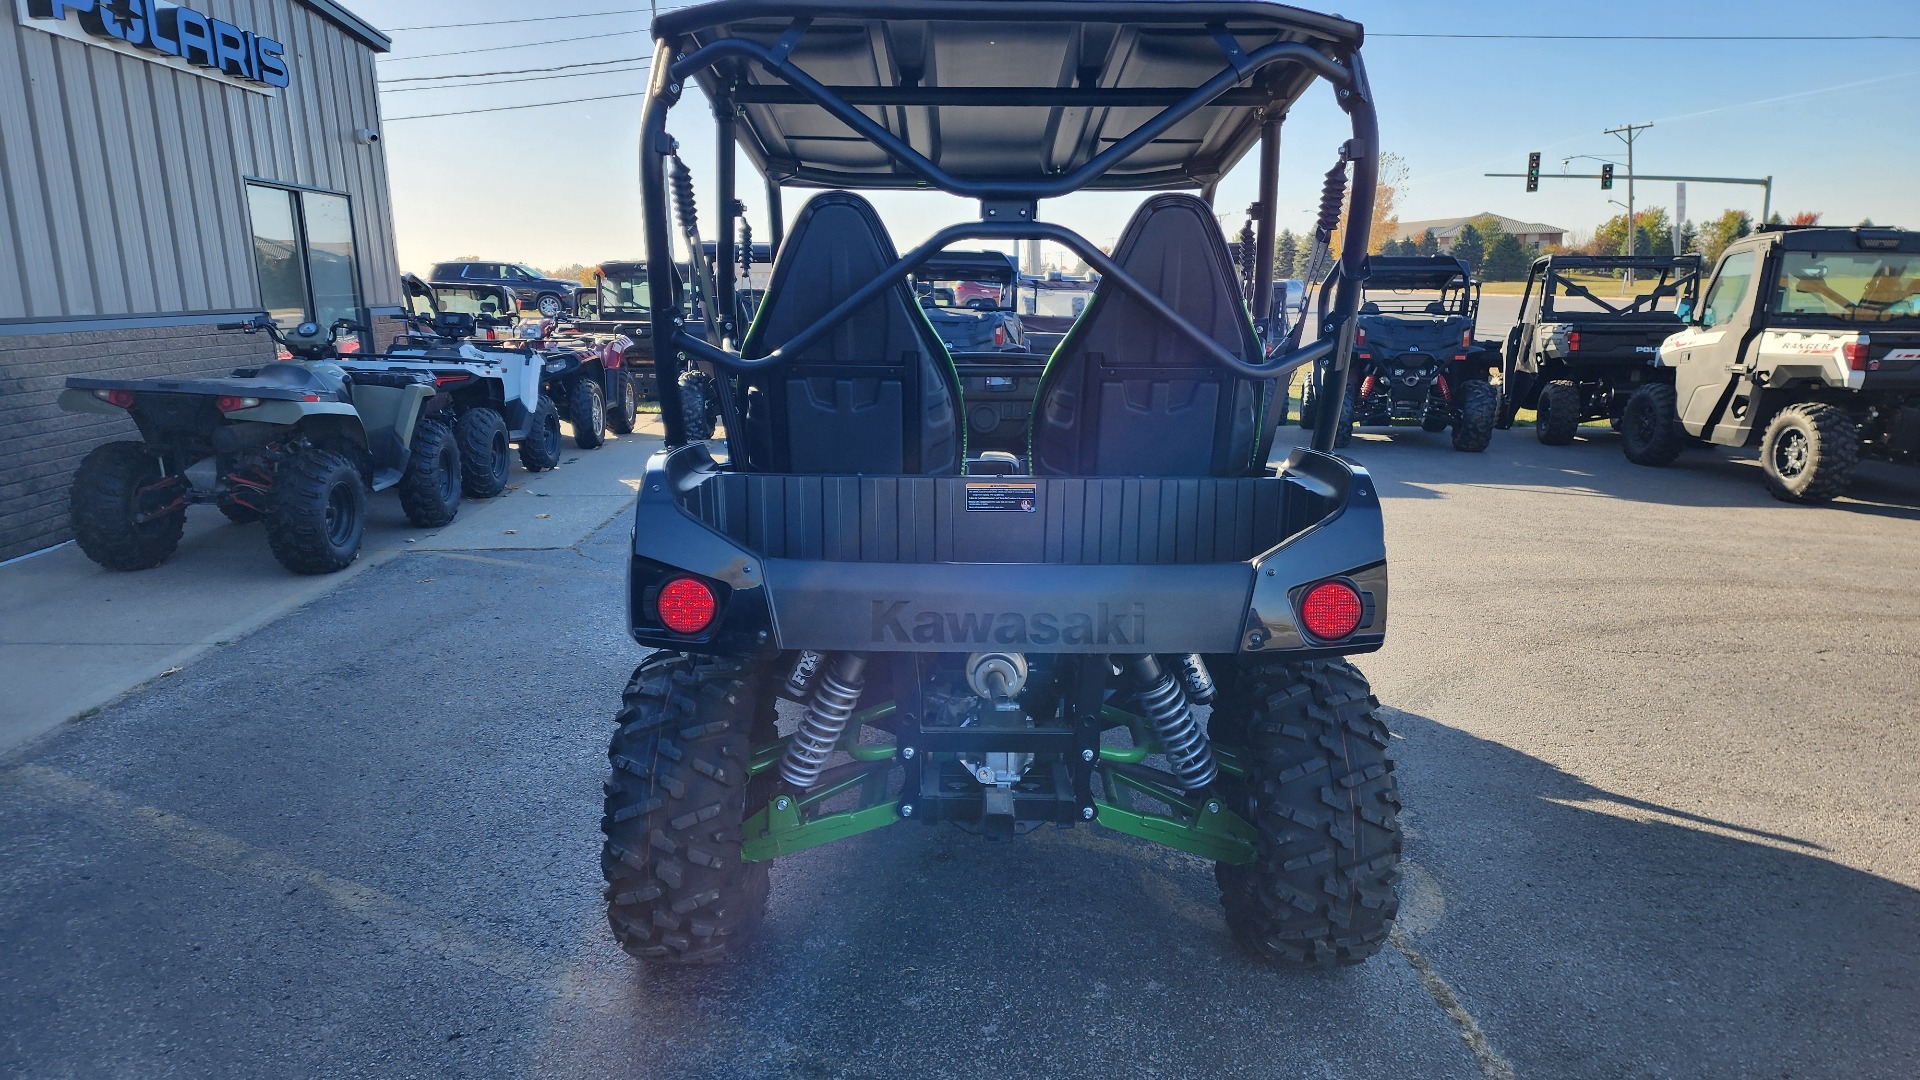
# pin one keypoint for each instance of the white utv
(1807, 345)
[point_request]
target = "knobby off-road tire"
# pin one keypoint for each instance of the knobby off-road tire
(1321, 793)
(677, 891)
(1650, 431)
(104, 500)
(624, 409)
(1479, 408)
(430, 489)
(485, 453)
(1343, 435)
(540, 450)
(588, 408)
(697, 399)
(1809, 452)
(1558, 415)
(319, 512)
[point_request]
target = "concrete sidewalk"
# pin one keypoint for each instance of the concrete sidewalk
(74, 637)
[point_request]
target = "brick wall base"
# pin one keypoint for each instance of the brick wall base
(40, 445)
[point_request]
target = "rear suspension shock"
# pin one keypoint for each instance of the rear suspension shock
(1167, 708)
(835, 694)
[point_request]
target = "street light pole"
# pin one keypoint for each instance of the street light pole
(1627, 133)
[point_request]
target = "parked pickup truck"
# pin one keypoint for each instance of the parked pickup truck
(1582, 347)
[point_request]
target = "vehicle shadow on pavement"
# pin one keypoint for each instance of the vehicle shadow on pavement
(1410, 464)
(1595, 935)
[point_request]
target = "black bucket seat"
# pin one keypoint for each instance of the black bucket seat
(1125, 394)
(876, 395)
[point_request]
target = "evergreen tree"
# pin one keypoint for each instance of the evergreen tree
(1689, 237)
(1429, 244)
(1470, 247)
(1506, 259)
(1286, 254)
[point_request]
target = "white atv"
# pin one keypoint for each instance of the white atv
(495, 390)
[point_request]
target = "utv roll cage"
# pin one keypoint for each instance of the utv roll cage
(1444, 274)
(1678, 277)
(1217, 80)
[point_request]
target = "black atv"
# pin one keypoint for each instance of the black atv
(1003, 640)
(296, 445)
(1418, 361)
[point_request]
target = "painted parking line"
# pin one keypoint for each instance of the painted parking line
(1491, 1063)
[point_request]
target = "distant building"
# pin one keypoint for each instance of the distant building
(1530, 233)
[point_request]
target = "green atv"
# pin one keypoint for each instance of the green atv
(296, 445)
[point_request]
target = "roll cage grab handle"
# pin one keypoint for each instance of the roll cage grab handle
(1336, 341)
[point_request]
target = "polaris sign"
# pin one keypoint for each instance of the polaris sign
(178, 37)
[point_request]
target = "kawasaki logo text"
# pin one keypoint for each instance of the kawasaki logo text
(1107, 624)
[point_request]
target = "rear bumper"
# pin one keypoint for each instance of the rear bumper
(913, 564)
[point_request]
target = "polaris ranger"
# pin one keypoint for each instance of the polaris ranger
(1808, 345)
(1418, 362)
(1003, 640)
(1578, 354)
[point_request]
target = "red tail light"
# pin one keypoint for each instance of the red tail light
(1573, 341)
(119, 399)
(1331, 611)
(446, 380)
(999, 335)
(1466, 339)
(1360, 336)
(687, 605)
(235, 404)
(1856, 354)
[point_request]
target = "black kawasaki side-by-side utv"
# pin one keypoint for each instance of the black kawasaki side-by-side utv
(1003, 640)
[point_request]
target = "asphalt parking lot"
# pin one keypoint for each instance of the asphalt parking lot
(1654, 744)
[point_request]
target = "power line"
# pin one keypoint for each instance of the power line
(1658, 37)
(519, 45)
(513, 108)
(514, 71)
(530, 78)
(511, 22)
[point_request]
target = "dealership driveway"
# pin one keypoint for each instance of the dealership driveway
(1655, 752)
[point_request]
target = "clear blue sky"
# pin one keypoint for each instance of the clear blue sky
(1832, 122)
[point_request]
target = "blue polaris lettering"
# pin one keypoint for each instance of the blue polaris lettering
(229, 49)
(273, 65)
(194, 33)
(183, 32)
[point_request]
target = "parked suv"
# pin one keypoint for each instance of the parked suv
(553, 297)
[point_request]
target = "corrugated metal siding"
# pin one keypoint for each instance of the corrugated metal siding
(123, 178)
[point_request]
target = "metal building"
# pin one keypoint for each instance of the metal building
(163, 169)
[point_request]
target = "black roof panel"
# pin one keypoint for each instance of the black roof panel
(928, 70)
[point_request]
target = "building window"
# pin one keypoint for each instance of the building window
(303, 250)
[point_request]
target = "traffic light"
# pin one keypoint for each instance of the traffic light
(1606, 177)
(1533, 171)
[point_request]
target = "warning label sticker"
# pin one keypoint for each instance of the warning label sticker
(1002, 498)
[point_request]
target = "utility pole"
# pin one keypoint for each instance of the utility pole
(1626, 133)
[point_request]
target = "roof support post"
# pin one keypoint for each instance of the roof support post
(655, 147)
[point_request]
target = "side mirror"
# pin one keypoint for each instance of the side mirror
(1684, 310)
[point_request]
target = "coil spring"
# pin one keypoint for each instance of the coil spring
(1167, 708)
(684, 207)
(746, 247)
(828, 710)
